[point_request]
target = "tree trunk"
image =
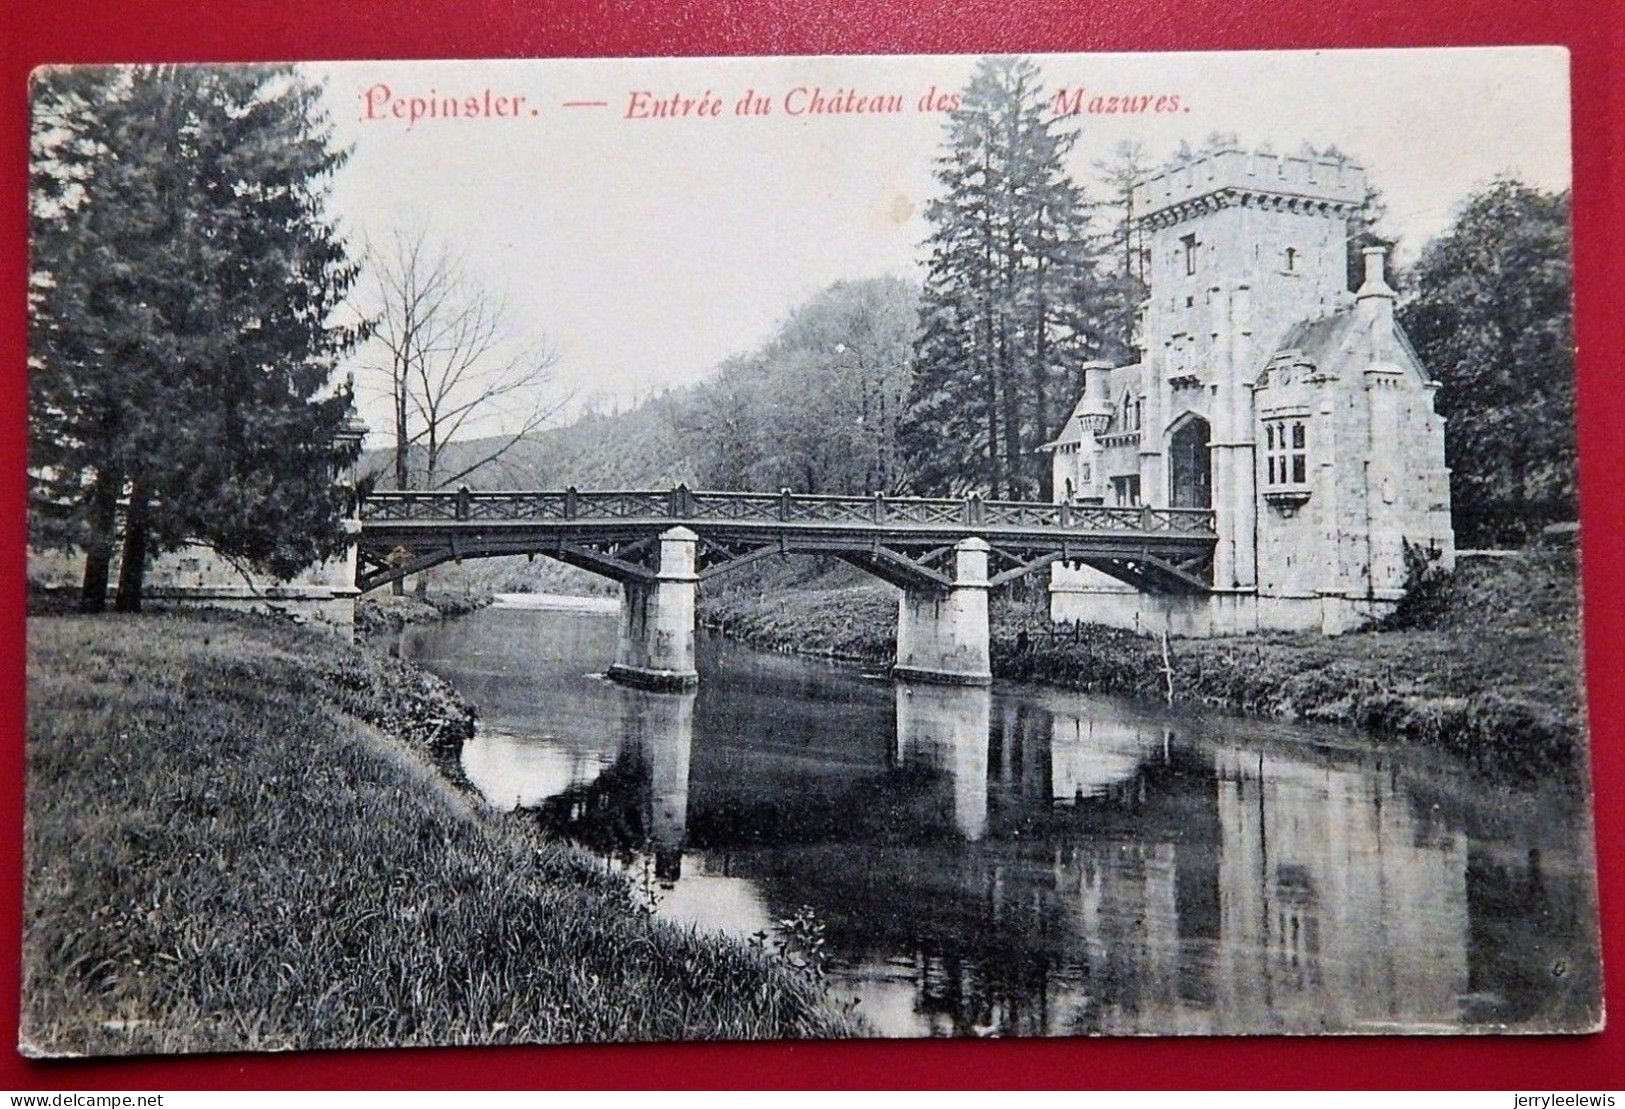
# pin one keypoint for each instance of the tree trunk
(995, 457)
(1013, 483)
(99, 548)
(132, 569)
(401, 443)
(1041, 370)
(397, 588)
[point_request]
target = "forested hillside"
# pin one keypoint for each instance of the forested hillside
(815, 408)
(638, 448)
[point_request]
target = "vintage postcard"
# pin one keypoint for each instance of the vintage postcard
(651, 549)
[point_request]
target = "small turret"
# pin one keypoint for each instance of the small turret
(1095, 411)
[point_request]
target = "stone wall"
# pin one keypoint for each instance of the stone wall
(323, 595)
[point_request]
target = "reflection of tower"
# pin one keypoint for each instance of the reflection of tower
(660, 735)
(945, 728)
(1340, 908)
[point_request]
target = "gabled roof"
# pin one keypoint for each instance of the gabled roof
(1344, 340)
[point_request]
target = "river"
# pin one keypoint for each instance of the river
(1028, 861)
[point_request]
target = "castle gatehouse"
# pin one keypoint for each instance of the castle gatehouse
(1268, 391)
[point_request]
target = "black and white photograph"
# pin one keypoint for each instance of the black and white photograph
(614, 550)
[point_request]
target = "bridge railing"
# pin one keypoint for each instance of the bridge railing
(682, 503)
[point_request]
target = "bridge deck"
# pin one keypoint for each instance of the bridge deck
(894, 537)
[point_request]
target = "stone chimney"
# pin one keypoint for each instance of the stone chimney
(1374, 301)
(1374, 293)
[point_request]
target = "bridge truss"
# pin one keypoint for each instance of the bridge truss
(907, 541)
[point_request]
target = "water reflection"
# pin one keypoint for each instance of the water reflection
(943, 730)
(1338, 900)
(1031, 862)
(517, 772)
(660, 736)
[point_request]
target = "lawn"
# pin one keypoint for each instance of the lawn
(237, 839)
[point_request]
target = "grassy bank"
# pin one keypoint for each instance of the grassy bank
(237, 840)
(1484, 664)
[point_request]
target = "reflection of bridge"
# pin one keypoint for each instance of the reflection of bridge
(944, 554)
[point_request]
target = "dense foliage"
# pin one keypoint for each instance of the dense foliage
(815, 409)
(1491, 315)
(1010, 307)
(185, 295)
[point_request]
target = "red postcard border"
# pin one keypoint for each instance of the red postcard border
(35, 32)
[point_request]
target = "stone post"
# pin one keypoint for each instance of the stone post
(655, 648)
(942, 636)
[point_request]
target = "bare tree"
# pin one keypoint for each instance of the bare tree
(445, 353)
(463, 391)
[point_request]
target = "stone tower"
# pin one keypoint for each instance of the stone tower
(1241, 247)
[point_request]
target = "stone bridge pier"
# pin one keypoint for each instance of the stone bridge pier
(942, 635)
(655, 646)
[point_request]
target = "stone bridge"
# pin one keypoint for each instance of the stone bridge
(944, 554)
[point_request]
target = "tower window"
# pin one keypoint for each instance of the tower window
(1286, 452)
(1133, 412)
(1190, 244)
(1291, 259)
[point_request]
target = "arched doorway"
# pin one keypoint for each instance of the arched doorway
(1189, 473)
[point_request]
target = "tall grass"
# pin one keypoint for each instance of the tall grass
(236, 840)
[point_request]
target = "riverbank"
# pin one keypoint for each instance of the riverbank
(381, 612)
(1484, 664)
(237, 840)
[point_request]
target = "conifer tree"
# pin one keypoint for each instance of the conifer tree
(1008, 310)
(186, 290)
(1118, 243)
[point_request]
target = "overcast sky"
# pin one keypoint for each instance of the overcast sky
(646, 250)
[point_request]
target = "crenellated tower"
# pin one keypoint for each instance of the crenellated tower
(1239, 247)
